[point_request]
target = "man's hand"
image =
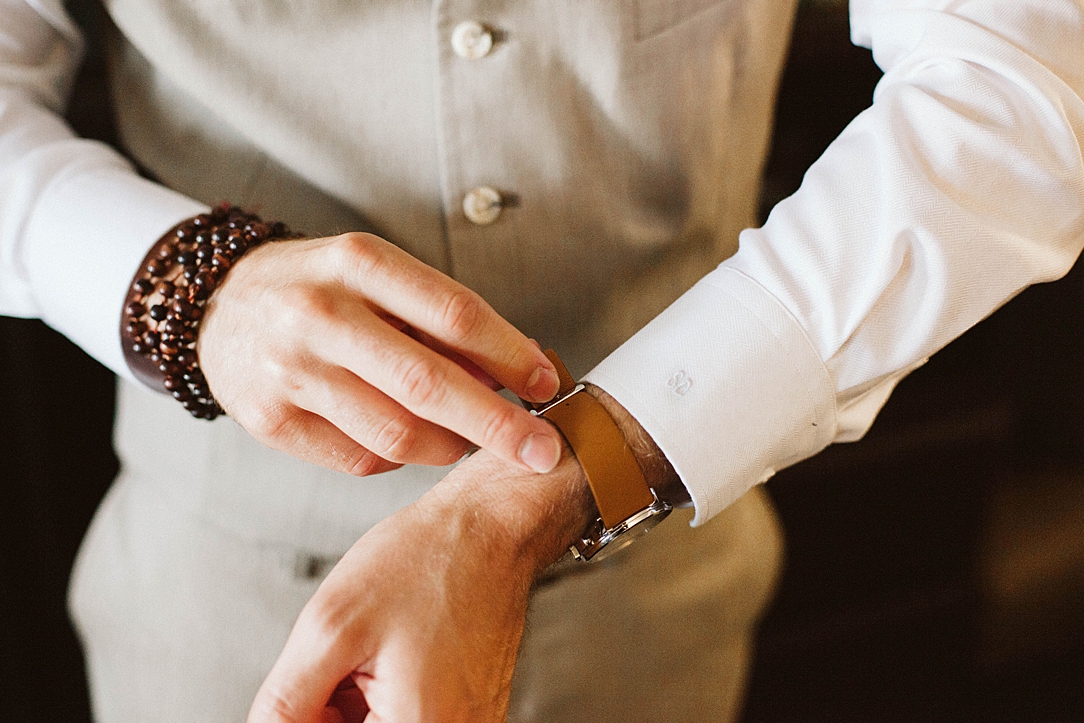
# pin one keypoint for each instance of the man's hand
(349, 353)
(421, 620)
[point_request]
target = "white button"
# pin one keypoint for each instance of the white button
(482, 205)
(471, 40)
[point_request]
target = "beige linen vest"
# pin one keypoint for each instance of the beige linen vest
(625, 136)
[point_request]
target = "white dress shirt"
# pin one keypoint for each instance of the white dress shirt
(959, 187)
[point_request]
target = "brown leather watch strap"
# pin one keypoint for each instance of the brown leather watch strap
(616, 480)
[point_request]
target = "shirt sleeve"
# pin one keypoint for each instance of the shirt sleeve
(960, 186)
(75, 218)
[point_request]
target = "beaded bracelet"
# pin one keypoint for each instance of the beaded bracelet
(165, 303)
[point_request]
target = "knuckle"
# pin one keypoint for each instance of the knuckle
(356, 253)
(302, 306)
(283, 373)
(459, 315)
(395, 440)
(422, 382)
(499, 423)
(273, 424)
(364, 463)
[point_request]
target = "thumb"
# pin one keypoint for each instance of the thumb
(300, 685)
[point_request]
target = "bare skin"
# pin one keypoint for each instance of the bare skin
(424, 614)
(421, 620)
(349, 353)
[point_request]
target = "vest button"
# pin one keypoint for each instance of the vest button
(471, 40)
(482, 205)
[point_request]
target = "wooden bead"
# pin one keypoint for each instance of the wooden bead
(157, 267)
(175, 327)
(135, 328)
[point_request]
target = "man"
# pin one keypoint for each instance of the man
(579, 167)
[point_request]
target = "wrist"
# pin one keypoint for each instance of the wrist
(530, 519)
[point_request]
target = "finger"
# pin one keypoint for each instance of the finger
(375, 421)
(437, 389)
(445, 309)
(444, 350)
(310, 437)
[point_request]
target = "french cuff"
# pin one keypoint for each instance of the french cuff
(728, 385)
(87, 235)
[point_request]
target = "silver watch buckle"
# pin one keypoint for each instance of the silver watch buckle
(599, 542)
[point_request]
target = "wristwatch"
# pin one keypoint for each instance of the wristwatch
(627, 506)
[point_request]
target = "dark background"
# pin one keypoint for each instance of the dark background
(935, 569)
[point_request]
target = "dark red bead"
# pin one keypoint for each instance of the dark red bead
(157, 267)
(165, 252)
(186, 358)
(169, 347)
(206, 280)
(221, 262)
(151, 339)
(166, 289)
(158, 312)
(201, 221)
(143, 286)
(135, 328)
(135, 309)
(204, 252)
(170, 368)
(175, 327)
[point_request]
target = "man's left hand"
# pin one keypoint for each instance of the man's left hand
(421, 620)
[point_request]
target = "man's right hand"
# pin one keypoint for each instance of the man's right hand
(349, 353)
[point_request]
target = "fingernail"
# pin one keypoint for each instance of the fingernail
(543, 385)
(540, 452)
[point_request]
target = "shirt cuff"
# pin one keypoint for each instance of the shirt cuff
(728, 385)
(87, 235)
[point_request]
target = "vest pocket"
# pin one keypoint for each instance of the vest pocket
(657, 16)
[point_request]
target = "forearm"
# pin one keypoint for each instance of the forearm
(75, 218)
